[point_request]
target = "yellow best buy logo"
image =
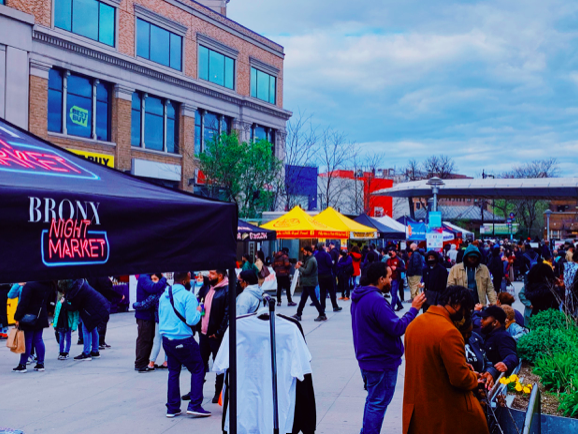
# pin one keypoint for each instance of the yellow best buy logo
(79, 116)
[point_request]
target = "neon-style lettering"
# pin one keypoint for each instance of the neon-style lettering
(68, 226)
(55, 230)
(54, 248)
(74, 245)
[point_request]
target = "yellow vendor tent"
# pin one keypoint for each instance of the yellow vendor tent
(356, 231)
(297, 224)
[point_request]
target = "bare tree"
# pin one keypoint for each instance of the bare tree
(334, 153)
(441, 166)
(529, 211)
(300, 153)
(413, 171)
(373, 162)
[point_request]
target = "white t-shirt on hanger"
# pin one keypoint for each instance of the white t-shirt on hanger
(255, 386)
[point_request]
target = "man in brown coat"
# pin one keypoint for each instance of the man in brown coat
(438, 391)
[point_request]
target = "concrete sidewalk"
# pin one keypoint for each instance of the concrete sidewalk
(107, 395)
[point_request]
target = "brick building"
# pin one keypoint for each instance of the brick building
(139, 84)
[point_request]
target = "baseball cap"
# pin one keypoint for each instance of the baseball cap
(496, 312)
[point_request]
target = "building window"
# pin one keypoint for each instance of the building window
(259, 132)
(207, 126)
(90, 18)
(78, 106)
(216, 67)
(154, 123)
(159, 45)
(263, 86)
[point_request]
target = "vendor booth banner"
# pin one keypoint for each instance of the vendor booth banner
(65, 216)
(416, 231)
(435, 239)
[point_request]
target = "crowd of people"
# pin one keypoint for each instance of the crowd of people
(469, 328)
(467, 336)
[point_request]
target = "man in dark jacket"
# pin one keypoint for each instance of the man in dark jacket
(500, 347)
(326, 277)
(282, 268)
(309, 280)
(215, 321)
(145, 320)
(93, 309)
(496, 267)
(104, 286)
(415, 266)
(377, 335)
(435, 279)
(33, 301)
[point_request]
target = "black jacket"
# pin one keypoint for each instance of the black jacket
(415, 264)
(34, 299)
(105, 287)
(90, 304)
(435, 280)
(496, 267)
(475, 354)
(541, 296)
(501, 347)
(219, 318)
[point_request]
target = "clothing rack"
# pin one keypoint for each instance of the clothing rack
(272, 302)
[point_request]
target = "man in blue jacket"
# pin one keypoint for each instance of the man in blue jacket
(145, 319)
(377, 335)
(179, 312)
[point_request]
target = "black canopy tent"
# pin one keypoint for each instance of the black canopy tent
(385, 232)
(66, 217)
(248, 232)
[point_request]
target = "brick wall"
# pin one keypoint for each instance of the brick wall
(41, 9)
(38, 111)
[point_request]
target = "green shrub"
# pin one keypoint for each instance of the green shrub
(550, 319)
(556, 372)
(547, 342)
(569, 400)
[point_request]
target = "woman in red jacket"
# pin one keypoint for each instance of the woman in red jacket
(356, 257)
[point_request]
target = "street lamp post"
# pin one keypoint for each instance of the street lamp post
(435, 184)
(548, 213)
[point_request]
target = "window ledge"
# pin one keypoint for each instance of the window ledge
(262, 101)
(81, 139)
(81, 40)
(155, 152)
(165, 68)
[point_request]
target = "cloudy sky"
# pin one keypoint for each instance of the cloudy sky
(492, 83)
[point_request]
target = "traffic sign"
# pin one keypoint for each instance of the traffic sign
(512, 215)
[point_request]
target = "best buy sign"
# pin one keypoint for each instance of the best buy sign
(79, 116)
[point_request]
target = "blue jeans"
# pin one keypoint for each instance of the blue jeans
(64, 340)
(184, 352)
(33, 339)
(395, 301)
(90, 339)
(380, 390)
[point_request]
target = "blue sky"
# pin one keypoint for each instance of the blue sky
(492, 83)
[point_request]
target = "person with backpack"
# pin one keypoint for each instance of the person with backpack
(65, 322)
(530, 258)
(179, 313)
(344, 273)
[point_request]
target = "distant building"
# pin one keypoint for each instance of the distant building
(354, 191)
(563, 220)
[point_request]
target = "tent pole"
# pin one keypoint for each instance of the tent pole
(232, 352)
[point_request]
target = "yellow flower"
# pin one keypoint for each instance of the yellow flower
(513, 378)
(527, 389)
(504, 380)
(519, 387)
